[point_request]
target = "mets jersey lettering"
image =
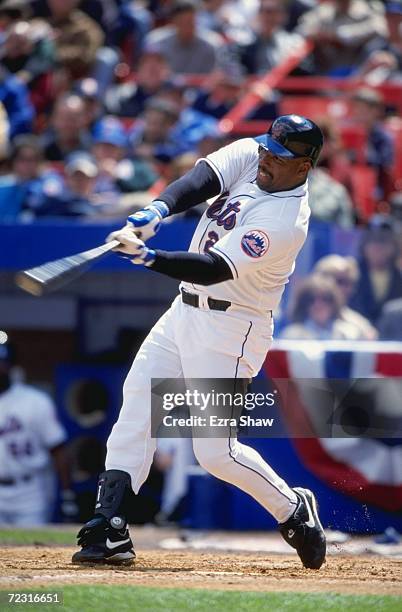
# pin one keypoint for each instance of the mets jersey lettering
(224, 214)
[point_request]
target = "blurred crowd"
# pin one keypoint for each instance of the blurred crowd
(104, 102)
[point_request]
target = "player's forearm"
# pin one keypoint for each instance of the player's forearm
(205, 269)
(195, 187)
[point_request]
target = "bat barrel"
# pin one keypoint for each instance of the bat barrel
(54, 274)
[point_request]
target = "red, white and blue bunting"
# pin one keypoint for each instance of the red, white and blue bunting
(369, 470)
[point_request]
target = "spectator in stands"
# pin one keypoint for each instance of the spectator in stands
(384, 61)
(116, 172)
(126, 24)
(187, 50)
(297, 8)
(128, 99)
(272, 43)
(28, 51)
(211, 15)
(219, 94)
(329, 199)
(77, 36)
(380, 66)
(104, 12)
(14, 97)
(342, 31)
(12, 11)
(231, 19)
(88, 90)
(380, 280)
(368, 111)
(21, 192)
(76, 197)
(151, 137)
(390, 321)
(344, 272)
(192, 125)
(223, 90)
(316, 313)
(67, 128)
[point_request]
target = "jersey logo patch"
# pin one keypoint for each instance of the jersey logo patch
(255, 243)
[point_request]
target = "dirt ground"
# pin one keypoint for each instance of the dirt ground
(215, 561)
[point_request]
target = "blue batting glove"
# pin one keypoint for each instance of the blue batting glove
(146, 222)
(145, 258)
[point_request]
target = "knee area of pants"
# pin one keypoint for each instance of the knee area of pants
(210, 457)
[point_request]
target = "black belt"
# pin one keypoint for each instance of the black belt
(9, 482)
(194, 300)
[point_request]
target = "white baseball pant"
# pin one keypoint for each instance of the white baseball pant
(198, 343)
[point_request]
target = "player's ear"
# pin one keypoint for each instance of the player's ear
(304, 167)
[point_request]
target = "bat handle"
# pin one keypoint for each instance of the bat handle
(109, 246)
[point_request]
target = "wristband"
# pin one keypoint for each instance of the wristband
(160, 207)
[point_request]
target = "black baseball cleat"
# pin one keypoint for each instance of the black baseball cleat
(105, 541)
(304, 532)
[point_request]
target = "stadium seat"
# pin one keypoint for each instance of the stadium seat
(354, 138)
(363, 180)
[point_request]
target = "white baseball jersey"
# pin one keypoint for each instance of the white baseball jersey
(258, 234)
(28, 429)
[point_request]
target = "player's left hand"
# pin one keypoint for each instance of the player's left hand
(146, 222)
(131, 246)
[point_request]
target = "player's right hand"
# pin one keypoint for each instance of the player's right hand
(146, 222)
(132, 247)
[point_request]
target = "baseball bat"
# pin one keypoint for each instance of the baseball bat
(54, 274)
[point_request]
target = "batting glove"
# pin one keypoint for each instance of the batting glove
(133, 248)
(146, 222)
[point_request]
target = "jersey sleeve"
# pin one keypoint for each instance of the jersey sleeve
(236, 162)
(50, 430)
(253, 247)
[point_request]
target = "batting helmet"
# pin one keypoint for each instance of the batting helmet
(293, 136)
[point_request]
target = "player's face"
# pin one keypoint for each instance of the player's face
(278, 174)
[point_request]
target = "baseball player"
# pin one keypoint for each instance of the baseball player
(219, 326)
(30, 435)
